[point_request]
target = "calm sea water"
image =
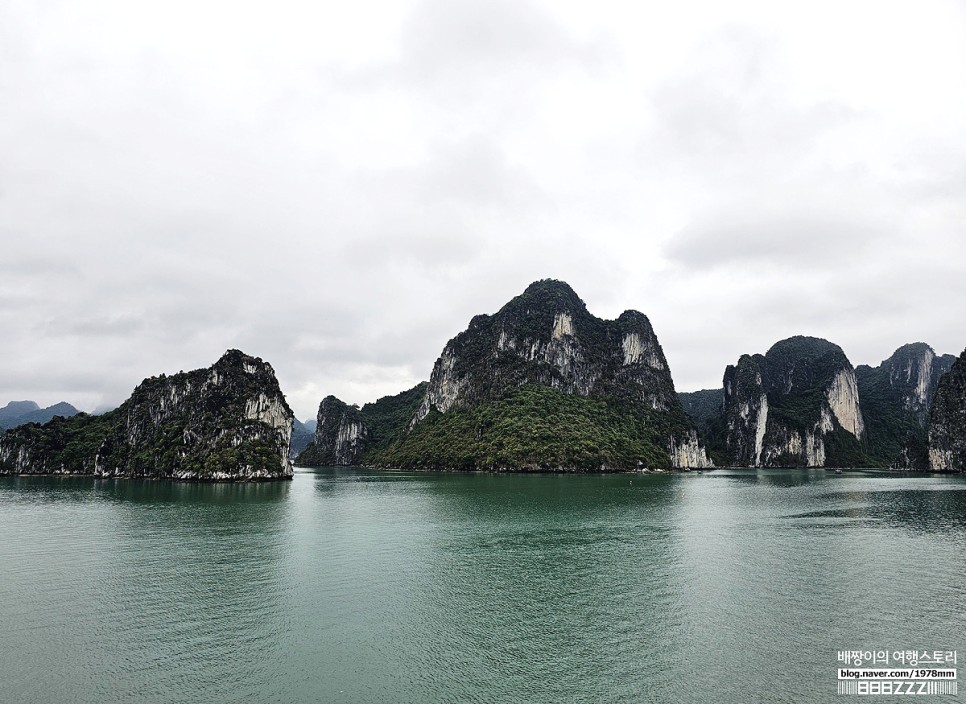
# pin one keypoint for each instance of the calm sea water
(358, 586)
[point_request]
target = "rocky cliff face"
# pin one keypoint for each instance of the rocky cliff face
(896, 397)
(341, 436)
(798, 405)
(546, 337)
(947, 421)
(910, 375)
(746, 411)
(228, 422)
(346, 435)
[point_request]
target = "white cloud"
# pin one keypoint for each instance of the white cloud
(339, 188)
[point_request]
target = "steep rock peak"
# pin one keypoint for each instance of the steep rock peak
(237, 360)
(340, 433)
(910, 350)
(746, 410)
(546, 337)
(911, 370)
(634, 319)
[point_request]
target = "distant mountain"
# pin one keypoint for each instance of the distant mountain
(301, 436)
(20, 412)
(540, 385)
(229, 422)
(15, 409)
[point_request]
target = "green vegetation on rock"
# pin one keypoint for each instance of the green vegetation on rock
(537, 428)
(346, 435)
(227, 422)
(785, 408)
(62, 446)
(896, 397)
(390, 415)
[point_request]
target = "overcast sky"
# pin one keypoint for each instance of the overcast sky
(339, 187)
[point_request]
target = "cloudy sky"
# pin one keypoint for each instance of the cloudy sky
(339, 187)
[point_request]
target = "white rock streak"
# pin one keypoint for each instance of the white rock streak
(563, 325)
(636, 350)
(843, 399)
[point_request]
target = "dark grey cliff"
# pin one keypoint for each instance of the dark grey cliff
(547, 337)
(896, 398)
(797, 406)
(229, 422)
(341, 436)
(947, 421)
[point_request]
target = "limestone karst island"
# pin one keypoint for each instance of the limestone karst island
(540, 385)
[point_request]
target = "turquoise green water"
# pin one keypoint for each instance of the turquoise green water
(356, 586)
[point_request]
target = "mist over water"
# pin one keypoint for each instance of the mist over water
(349, 585)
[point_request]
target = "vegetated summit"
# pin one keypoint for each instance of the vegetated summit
(541, 385)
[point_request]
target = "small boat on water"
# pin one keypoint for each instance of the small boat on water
(838, 471)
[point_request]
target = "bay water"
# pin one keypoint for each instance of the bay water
(353, 585)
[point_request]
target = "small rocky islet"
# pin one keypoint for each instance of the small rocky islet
(229, 422)
(540, 385)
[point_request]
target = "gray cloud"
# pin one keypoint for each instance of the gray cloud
(485, 39)
(792, 239)
(732, 104)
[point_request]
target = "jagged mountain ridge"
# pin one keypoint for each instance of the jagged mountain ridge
(547, 337)
(229, 422)
(479, 409)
